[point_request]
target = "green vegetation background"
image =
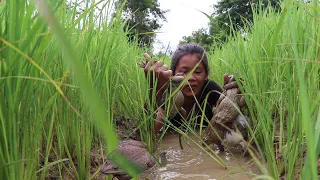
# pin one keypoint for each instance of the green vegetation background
(64, 78)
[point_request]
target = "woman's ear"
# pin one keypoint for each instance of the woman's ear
(206, 78)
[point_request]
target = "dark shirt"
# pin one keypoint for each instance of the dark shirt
(208, 99)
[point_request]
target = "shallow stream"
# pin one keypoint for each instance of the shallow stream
(194, 163)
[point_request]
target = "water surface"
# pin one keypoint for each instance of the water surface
(194, 163)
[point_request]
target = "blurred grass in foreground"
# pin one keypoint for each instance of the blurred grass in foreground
(60, 86)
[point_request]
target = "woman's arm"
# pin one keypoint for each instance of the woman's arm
(162, 74)
(160, 71)
(159, 120)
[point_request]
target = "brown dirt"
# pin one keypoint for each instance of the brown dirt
(299, 166)
(96, 159)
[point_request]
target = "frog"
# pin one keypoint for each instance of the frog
(226, 120)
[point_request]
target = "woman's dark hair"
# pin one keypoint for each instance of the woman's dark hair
(190, 49)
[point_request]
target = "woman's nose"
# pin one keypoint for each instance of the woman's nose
(192, 77)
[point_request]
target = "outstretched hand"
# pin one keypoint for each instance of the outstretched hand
(159, 72)
(229, 82)
(157, 68)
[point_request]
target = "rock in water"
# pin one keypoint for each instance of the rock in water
(136, 153)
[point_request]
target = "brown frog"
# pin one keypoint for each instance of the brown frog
(224, 118)
(135, 152)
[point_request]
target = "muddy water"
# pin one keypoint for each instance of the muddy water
(194, 163)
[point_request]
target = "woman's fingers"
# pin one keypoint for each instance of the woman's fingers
(148, 65)
(157, 67)
(225, 79)
(160, 69)
(231, 85)
(165, 67)
(147, 56)
(230, 82)
(167, 73)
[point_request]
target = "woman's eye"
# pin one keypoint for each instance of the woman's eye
(184, 72)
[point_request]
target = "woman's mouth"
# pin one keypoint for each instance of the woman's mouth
(190, 90)
(190, 87)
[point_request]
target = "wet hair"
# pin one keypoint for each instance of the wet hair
(190, 49)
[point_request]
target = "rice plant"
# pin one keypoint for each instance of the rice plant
(60, 77)
(278, 59)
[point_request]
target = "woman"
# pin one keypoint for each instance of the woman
(198, 87)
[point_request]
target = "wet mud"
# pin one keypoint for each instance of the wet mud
(194, 163)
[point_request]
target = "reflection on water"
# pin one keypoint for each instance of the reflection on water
(194, 163)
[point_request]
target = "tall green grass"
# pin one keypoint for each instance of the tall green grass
(63, 79)
(278, 58)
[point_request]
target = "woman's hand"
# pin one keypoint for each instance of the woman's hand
(161, 72)
(229, 82)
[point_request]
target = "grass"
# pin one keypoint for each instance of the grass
(60, 87)
(278, 58)
(65, 76)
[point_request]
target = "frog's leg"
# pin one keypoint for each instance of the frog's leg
(220, 146)
(180, 141)
(214, 110)
(244, 145)
(242, 102)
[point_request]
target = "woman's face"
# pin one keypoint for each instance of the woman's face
(197, 78)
